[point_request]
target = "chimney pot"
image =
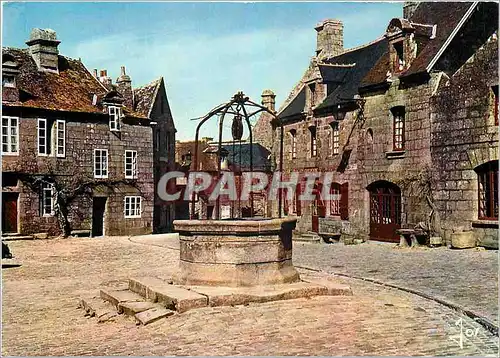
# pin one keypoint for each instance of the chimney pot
(94, 72)
(330, 38)
(124, 85)
(43, 48)
(269, 100)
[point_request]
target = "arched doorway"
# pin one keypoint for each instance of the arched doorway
(385, 211)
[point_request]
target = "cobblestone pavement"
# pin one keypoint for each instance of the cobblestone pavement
(468, 278)
(40, 315)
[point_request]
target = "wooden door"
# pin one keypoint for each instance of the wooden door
(385, 211)
(318, 207)
(98, 211)
(9, 212)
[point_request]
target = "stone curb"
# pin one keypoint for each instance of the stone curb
(483, 321)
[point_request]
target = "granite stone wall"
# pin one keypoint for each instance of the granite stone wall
(464, 136)
(82, 137)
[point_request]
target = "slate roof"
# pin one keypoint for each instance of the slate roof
(72, 89)
(348, 78)
(144, 97)
(295, 107)
(261, 159)
(446, 16)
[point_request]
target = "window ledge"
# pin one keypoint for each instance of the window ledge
(485, 224)
(395, 154)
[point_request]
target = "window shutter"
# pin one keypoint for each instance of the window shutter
(285, 202)
(299, 203)
(344, 201)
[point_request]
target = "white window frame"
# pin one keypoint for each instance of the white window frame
(8, 136)
(131, 164)
(313, 143)
(115, 113)
(293, 137)
(47, 189)
(132, 207)
(335, 138)
(42, 125)
(101, 168)
(60, 129)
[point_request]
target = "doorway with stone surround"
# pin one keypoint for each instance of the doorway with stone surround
(385, 211)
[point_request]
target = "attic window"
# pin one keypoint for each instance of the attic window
(495, 103)
(8, 81)
(312, 94)
(115, 113)
(399, 58)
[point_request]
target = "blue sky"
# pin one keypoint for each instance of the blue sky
(205, 51)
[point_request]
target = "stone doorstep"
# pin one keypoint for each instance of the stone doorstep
(228, 296)
(152, 315)
(173, 297)
(96, 307)
(312, 240)
(6, 263)
(132, 308)
(115, 297)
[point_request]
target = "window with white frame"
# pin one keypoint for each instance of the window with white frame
(47, 199)
(131, 164)
(335, 202)
(10, 135)
(60, 144)
(314, 150)
(44, 137)
(132, 207)
(335, 138)
(293, 139)
(398, 114)
(115, 113)
(100, 163)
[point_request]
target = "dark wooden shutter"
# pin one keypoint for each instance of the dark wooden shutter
(344, 201)
(286, 202)
(299, 203)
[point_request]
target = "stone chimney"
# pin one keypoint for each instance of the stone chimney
(104, 78)
(330, 38)
(124, 86)
(409, 8)
(43, 48)
(269, 100)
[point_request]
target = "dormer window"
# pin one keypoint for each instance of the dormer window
(8, 81)
(312, 94)
(399, 58)
(115, 113)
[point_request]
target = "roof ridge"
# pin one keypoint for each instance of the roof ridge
(380, 38)
(150, 84)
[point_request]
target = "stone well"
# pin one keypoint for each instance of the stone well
(244, 252)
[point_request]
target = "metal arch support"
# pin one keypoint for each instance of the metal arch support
(223, 109)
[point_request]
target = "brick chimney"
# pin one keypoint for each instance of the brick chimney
(330, 38)
(269, 100)
(124, 86)
(409, 8)
(104, 78)
(43, 48)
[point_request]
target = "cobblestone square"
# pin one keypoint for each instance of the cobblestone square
(40, 315)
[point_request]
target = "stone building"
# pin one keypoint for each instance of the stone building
(235, 158)
(375, 116)
(79, 154)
